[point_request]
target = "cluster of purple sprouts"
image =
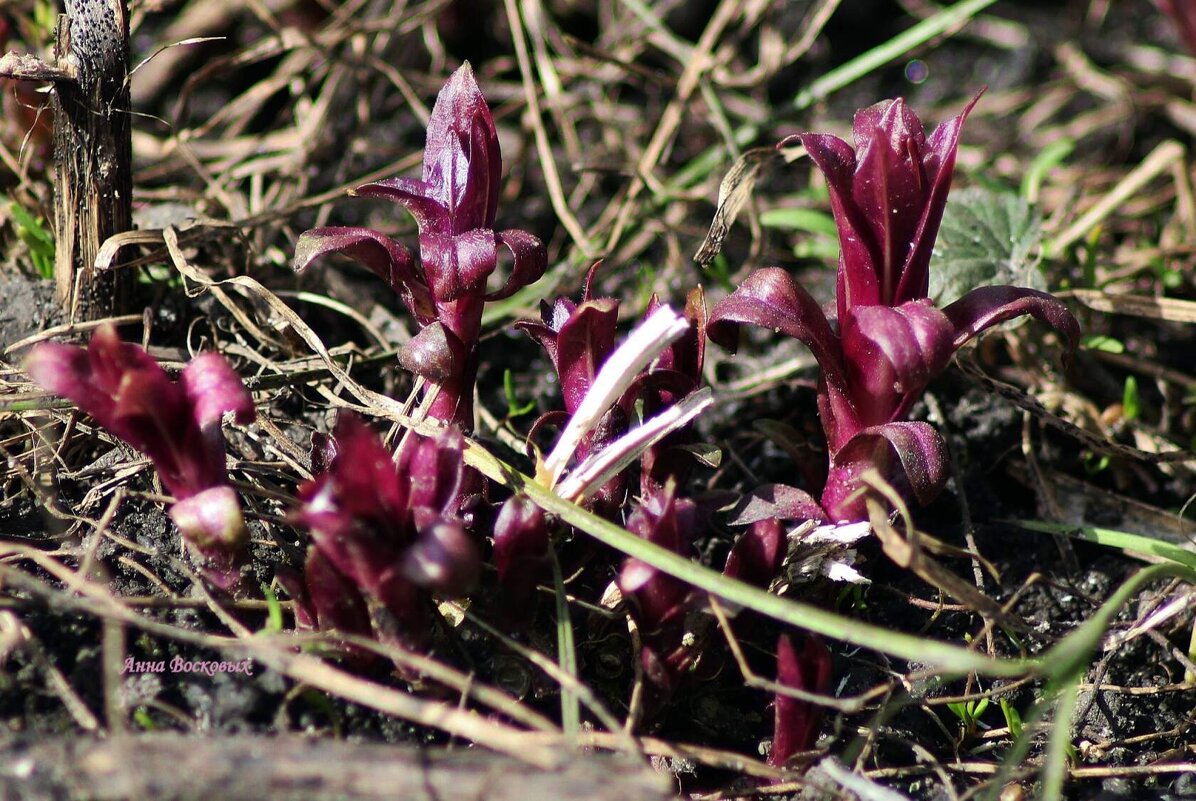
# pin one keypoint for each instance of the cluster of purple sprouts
(390, 532)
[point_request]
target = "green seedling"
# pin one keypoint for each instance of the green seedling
(514, 408)
(1013, 719)
(1130, 404)
(33, 232)
(143, 719)
(1102, 343)
(273, 610)
(969, 713)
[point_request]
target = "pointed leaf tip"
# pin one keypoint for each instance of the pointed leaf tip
(987, 306)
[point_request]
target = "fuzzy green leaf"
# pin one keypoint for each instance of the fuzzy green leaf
(987, 238)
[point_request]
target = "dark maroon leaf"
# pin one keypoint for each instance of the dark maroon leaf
(430, 353)
(892, 353)
(529, 260)
(659, 602)
(939, 164)
(177, 424)
(758, 554)
(921, 466)
(459, 264)
(454, 204)
(888, 197)
(987, 306)
(414, 195)
(462, 163)
(521, 552)
(770, 298)
(432, 468)
(292, 583)
(582, 344)
(796, 722)
(778, 501)
(386, 258)
(389, 528)
(857, 280)
(337, 604)
(211, 519)
(443, 560)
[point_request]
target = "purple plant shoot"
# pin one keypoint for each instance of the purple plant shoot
(177, 424)
(887, 195)
(385, 533)
(455, 204)
(796, 722)
(660, 603)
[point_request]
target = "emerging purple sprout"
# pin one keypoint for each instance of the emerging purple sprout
(758, 554)
(175, 423)
(385, 533)
(796, 722)
(454, 204)
(658, 602)
(579, 338)
(888, 195)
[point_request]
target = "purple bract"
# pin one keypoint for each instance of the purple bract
(658, 602)
(385, 533)
(796, 722)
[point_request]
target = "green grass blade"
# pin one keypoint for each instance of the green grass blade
(1068, 656)
(948, 658)
(1059, 746)
(810, 221)
(891, 50)
(566, 654)
(1071, 655)
(1051, 156)
(1111, 538)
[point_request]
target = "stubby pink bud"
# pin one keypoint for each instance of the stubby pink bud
(211, 519)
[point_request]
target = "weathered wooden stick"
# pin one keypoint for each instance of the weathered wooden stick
(92, 153)
(169, 767)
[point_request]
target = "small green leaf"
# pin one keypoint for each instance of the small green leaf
(513, 407)
(706, 453)
(987, 238)
(1095, 463)
(30, 228)
(273, 610)
(1051, 156)
(33, 232)
(1130, 405)
(1013, 718)
(142, 718)
(798, 219)
(817, 248)
(1102, 343)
